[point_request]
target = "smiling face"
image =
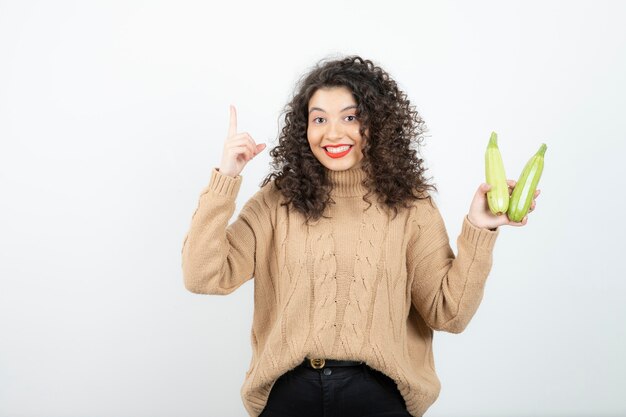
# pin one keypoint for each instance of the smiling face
(333, 129)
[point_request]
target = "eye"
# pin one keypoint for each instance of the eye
(353, 118)
(315, 120)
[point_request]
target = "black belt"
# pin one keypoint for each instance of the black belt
(322, 363)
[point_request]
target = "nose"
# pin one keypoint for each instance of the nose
(334, 130)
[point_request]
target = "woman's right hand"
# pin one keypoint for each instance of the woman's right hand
(239, 148)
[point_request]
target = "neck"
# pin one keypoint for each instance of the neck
(347, 183)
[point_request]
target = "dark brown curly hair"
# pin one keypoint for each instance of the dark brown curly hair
(394, 172)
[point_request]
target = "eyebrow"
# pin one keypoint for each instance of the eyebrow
(322, 110)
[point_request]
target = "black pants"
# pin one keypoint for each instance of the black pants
(335, 391)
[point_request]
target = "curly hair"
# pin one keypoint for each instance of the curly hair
(394, 171)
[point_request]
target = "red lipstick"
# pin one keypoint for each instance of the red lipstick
(337, 154)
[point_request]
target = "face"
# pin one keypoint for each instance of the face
(333, 129)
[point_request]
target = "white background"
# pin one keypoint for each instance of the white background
(112, 114)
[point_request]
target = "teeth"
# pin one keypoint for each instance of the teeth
(338, 149)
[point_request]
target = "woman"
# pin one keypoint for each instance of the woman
(351, 259)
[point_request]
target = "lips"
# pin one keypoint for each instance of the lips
(337, 151)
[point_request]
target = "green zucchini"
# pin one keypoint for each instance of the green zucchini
(498, 195)
(524, 191)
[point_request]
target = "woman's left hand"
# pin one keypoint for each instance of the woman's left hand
(480, 215)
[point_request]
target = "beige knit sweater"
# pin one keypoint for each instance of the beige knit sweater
(357, 286)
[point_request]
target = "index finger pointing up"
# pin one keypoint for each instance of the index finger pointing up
(232, 127)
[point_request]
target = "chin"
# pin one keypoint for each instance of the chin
(344, 166)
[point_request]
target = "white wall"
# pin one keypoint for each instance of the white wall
(112, 114)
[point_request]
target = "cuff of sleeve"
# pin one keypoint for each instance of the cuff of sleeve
(224, 185)
(478, 236)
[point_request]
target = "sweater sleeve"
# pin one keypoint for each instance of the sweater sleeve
(217, 258)
(447, 290)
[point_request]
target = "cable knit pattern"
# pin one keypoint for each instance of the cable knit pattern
(356, 285)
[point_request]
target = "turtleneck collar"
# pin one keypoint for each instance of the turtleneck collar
(347, 183)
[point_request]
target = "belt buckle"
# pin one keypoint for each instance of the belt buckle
(317, 363)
